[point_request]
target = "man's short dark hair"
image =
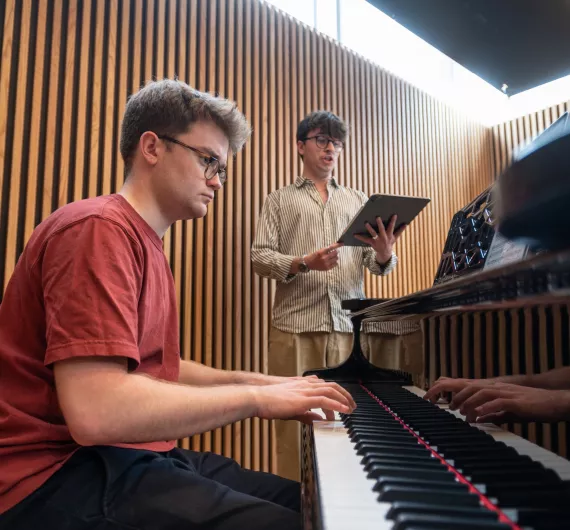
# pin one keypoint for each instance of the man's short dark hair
(328, 124)
(170, 107)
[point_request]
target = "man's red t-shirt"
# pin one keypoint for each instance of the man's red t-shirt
(92, 281)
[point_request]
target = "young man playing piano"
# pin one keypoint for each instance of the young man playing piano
(295, 244)
(537, 397)
(93, 393)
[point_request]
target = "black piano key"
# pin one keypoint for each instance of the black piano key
(377, 429)
(437, 522)
(414, 413)
(386, 482)
(549, 525)
(427, 495)
(424, 463)
(361, 413)
(488, 476)
(542, 519)
(450, 445)
(497, 457)
(418, 456)
(458, 433)
(389, 423)
(478, 452)
(532, 498)
(410, 508)
(390, 438)
(508, 491)
(403, 439)
(411, 472)
(414, 470)
(429, 423)
(489, 461)
(368, 448)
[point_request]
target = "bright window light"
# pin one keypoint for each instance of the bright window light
(377, 37)
(327, 17)
(538, 98)
(374, 35)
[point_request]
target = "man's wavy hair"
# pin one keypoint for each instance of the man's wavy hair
(170, 107)
(328, 123)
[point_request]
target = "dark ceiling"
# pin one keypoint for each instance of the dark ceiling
(520, 43)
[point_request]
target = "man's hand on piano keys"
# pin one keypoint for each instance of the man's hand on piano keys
(446, 385)
(488, 401)
(294, 399)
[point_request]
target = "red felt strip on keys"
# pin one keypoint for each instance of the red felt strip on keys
(460, 478)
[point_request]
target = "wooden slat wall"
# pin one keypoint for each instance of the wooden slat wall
(495, 343)
(67, 68)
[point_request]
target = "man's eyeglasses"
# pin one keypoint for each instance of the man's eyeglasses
(211, 162)
(323, 142)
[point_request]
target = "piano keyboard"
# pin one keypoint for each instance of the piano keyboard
(487, 485)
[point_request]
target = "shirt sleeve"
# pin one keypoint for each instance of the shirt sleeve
(374, 267)
(266, 259)
(91, 278)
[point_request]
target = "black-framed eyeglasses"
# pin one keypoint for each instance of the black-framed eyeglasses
(211, 162)
(323, 142)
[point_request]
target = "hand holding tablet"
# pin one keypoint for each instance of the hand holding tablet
(381, 238)
(380, 216)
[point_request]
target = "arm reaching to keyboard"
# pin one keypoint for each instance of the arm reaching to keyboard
(103, 403)
(197, 374)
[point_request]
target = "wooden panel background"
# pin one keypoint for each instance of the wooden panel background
(67, 67)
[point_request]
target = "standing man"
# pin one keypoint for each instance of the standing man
(295, 244)
(93, 394)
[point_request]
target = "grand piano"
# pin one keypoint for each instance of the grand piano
(400, 462)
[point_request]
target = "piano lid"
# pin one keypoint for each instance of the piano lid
(534, 191)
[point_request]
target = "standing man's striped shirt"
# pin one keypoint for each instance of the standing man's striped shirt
(294, 222)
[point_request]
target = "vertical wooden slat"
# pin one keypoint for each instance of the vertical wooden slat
(229, 193)
(529, 352)
(186, 232)
(82, 120)
(259, 112)
(5, 77)
(18, 138)
(160, 70)
(238, 206)
(35, 148)
(558, 345)
(96, 81)
(219, 206)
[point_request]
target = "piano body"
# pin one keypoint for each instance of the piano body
(400, 462)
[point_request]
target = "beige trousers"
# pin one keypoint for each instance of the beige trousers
(291, 354)
(397, 352)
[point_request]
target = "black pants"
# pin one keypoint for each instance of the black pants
(108, 488)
